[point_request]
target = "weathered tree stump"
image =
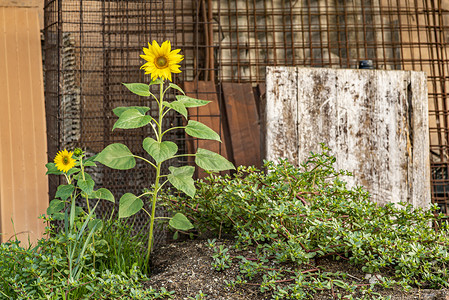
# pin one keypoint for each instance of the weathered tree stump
(375, 122)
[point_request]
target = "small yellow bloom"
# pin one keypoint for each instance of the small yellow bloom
(64, 161)
(161, 60)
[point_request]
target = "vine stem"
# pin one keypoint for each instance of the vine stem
(158, 174)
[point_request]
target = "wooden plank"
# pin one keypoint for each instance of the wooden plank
(375, 122)
(208, 115)
(243, 122)
(23, 184)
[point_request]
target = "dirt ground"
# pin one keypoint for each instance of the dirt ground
(185, 267)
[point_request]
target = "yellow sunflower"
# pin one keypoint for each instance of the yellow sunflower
(161, 60)
(64, 161)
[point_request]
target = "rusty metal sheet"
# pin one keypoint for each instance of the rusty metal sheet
(208, 115)
(376, 123)
(243, 121)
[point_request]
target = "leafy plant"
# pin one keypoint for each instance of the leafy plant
(161, 63)
(297, 216)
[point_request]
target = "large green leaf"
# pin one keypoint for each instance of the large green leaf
(199, 130)
(117, 156)
(180, 222)
(212, 161)
(86, 184)
(178, 106)
(132, 118)
(159, 151)
(129, 205)
(121, 109)
(140, 89)
(105, 194)
(176, 87)
(52, 169)
(55, 206)
(191, 102)
(181, 178)
(156, 81)
(64, 191)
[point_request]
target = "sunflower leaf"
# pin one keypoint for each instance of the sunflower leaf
(64, 191)
(156, 81)
(52, 169)
(121, 109)
(129, 205)
(191, 102)
(117, 156)
(55, 206)
(132, 118)
(140, 89)
(103, 193)
(212, 161)
(159, 151)
(199, 130)
(86, 184)
(177, 106)
(180, 222)
(176, 87)
(181, 178)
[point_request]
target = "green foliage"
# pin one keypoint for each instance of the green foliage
(296, 215)
(41, 272)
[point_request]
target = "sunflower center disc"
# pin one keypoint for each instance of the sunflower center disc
(161, 62)
(65, 160)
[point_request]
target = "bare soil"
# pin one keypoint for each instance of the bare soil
(185, 267)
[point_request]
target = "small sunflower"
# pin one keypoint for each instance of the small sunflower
(161, 60)
(64, 161)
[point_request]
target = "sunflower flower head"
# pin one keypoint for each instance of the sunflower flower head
(161, 60)
(64, 161)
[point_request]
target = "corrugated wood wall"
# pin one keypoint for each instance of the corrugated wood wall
(23, 184)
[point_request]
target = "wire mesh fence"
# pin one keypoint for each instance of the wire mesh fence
(92, 46)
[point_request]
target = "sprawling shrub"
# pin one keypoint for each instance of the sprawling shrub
(290, 214)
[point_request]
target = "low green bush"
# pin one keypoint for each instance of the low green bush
(42, 271)
(286, 214)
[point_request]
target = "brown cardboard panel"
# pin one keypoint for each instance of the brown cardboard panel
(23, 184)
(208, 115)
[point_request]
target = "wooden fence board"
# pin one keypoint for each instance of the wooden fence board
(375, 122)
(243, 121)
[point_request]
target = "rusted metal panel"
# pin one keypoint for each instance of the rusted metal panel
(375, 122)
(23, 184)
(208, 115)
(243, 122)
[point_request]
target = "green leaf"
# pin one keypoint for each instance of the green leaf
(191, 102)
(117, 156)
(181, 178)
(58, 216)
(52, 169)
(64, 191)
(140, 89)
(73, 171)
(55, 206)
(199, 130)
(132, 118)
(212, 161)
(159, 151)
(86, 184)
(129, 205)
(176, 87)
(121, 109)
(89, 164)
(156, 81)
(178, 106)
(95, 223)
(180, 222)
(105, 194)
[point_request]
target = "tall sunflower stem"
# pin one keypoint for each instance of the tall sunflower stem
(158, 175)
